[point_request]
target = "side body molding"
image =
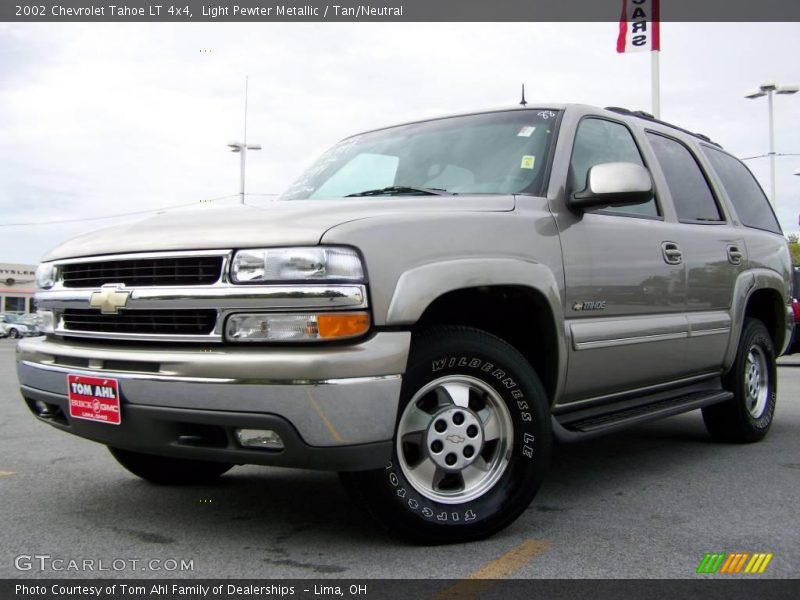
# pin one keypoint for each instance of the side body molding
(417, 288)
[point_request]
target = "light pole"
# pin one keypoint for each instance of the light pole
(768, 89)
(243, 147)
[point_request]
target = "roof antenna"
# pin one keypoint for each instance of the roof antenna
(523, 102)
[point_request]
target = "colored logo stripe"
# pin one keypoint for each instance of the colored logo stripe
(720, 562)
(758, 563)
(710, 563)
(734, 563)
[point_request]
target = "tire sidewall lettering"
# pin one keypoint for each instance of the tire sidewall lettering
(441, 513)
(508, 388)
(507, 384)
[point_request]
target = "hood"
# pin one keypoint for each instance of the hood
(282, 223)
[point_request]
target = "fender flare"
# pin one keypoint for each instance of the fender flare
(417, 288)
(748, 284)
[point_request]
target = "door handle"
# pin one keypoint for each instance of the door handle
(735, 255)
(672, 253)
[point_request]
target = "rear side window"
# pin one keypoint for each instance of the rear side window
(687, 185)
(747, 197)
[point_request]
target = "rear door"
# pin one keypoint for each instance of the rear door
(712, 249)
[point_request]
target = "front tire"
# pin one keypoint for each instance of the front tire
(747, 417)
(164, 470)
(472, 441)
(15, 334)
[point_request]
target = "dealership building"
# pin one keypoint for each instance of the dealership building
(17, 286)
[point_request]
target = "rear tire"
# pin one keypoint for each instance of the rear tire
(164, 470)
(472, 441)
(747, 417)
(15, 334)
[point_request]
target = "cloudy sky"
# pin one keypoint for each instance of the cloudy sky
(108, 119)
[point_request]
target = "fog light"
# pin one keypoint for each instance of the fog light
(265, 439)
(42, 409)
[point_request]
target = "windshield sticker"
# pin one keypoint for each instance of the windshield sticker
(527, 162)
(546, 114)
(526, 131)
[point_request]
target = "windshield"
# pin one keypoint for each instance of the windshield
(492, 153)
(10, 318)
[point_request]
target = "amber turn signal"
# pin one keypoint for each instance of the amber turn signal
(342, 325)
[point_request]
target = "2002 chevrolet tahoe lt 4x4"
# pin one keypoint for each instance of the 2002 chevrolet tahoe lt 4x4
(425, 310)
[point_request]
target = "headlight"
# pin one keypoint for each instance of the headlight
(45, 276)
(316, 263)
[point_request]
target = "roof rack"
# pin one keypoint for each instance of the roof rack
(648, 117)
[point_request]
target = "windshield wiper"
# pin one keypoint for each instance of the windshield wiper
(400, 189)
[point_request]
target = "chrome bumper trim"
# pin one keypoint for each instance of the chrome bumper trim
(324, 414)
(170, 378)
(383, 354)
(123, 374)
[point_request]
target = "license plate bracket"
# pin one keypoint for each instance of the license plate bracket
(94, 399)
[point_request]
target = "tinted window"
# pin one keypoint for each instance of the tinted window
(746, 195)
(599, 141)
(688, 187)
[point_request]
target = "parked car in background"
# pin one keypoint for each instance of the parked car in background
(31, 321)
(16, 326)
(794, 345)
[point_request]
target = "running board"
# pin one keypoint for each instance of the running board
(593, 426)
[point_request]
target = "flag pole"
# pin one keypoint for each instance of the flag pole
(655, 83)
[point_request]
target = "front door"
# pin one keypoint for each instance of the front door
(625, 286)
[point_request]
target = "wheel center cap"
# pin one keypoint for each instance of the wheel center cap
(454, 438)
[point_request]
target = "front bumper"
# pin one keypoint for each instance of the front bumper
(335, 407)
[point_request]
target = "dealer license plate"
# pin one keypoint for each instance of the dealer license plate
(94, 399)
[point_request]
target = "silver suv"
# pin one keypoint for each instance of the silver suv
(425, 310)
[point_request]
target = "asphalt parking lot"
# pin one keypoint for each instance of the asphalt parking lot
(646, 503)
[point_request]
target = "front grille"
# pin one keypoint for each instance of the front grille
(166, 322)
(185, 270)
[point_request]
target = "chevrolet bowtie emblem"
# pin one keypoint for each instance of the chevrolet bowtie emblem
(110, 298)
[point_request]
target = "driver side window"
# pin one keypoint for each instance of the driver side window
(599, 141)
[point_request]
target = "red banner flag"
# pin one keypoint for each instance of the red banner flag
(639, 29)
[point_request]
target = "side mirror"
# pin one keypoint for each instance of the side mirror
(613, 184)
